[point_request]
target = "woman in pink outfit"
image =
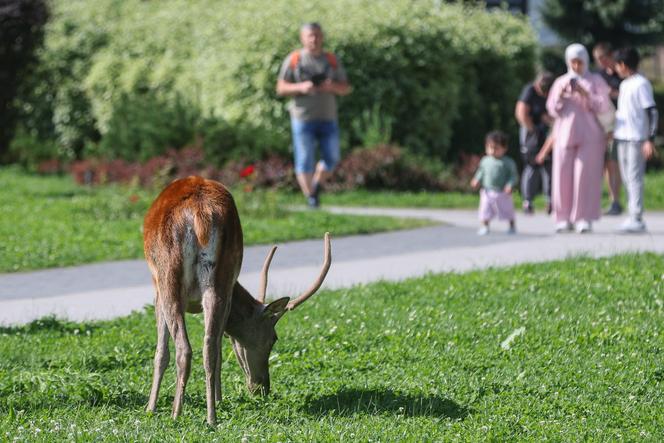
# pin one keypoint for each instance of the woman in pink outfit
(574, 101)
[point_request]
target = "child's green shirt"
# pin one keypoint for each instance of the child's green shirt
(495, 173)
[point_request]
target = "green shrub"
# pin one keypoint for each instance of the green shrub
(441, 75)
(142, 125)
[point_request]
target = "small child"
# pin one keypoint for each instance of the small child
(496, 176)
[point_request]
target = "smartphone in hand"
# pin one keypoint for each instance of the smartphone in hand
(572, 83)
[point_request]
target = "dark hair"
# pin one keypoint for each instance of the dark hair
(497, 137)
(311, 25)
(602, 48)
(628, 56)
(544, 80)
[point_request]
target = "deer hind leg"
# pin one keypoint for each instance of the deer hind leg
(217, 372)
(216, 298)
(213, 308)
(161, 358)
(172, 311)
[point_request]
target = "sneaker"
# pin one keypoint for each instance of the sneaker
(312, 202)
(314, 198)
(484, 230)
(632, 226)
(563, 226)
(511, 230)
(614, 209)
(583, 227)
(528, 208)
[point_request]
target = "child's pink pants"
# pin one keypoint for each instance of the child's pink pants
(494, 203)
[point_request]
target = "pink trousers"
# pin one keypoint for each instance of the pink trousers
(576, 188)
(494, 203)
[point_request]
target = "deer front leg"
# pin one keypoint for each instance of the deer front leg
(161, 358)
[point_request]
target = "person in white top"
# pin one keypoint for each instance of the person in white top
(634, 134)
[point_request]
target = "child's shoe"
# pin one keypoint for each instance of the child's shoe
(484, 230)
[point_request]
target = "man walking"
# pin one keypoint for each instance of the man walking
(636, 126)
(313, 78)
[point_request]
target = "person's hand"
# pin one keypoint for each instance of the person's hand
(508, 189)
(306, 87)
(474, 184)
(581, 90)
(576, 87)
(326, 86)
(648, 149)
(540, 158)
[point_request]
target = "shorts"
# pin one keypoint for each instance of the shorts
(494, 203)
(307, 135)
(611, 151)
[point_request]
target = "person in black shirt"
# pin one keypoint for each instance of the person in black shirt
(606, 68)
(534, 124)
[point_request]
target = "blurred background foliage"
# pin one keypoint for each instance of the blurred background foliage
(131, 79)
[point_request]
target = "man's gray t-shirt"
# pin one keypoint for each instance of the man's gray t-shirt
(317, 105)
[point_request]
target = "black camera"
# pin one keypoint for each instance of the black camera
(318, 79)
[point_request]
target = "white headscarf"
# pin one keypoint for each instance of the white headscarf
(576, 50)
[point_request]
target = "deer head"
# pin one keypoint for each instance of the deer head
(251, 323)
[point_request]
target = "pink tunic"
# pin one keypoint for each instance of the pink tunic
(579, 144)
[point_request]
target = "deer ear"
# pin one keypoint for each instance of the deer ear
(277, 308)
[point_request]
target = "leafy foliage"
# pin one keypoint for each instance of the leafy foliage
(442, 74)
(21, 30)
(389, 167)
(419, 360)
(619, 22)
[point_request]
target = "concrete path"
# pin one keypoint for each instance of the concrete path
(107, 290)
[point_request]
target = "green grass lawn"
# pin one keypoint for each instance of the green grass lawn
(654, 197)
(50, 221)
(428, 359)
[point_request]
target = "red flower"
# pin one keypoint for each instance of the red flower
(246, 172)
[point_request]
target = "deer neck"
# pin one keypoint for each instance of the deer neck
(243, 307)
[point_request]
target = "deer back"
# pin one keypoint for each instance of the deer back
(192, 233)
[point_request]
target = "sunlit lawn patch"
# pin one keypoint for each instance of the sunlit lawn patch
(421, 360)
(49, 221)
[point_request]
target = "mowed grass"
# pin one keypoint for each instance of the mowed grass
(419, 360)
(50, 221)
(653, 197)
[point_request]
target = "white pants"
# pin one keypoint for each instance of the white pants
(632, 169)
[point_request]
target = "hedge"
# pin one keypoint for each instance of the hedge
(127, 78)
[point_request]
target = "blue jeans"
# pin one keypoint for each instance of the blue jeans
(306, 135)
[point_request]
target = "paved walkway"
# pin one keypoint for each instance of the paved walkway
(108, 290)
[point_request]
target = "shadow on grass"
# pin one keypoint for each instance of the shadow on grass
(376, 402)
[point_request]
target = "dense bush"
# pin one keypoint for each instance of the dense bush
(379, 167)
(21, 30)
(389, 167)
(442, 75)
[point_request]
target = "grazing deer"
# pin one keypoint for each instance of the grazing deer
(193, 246)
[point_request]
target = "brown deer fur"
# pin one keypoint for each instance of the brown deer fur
(193, 246)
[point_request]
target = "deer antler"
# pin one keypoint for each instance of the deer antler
(319, 281)
(266, 266)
